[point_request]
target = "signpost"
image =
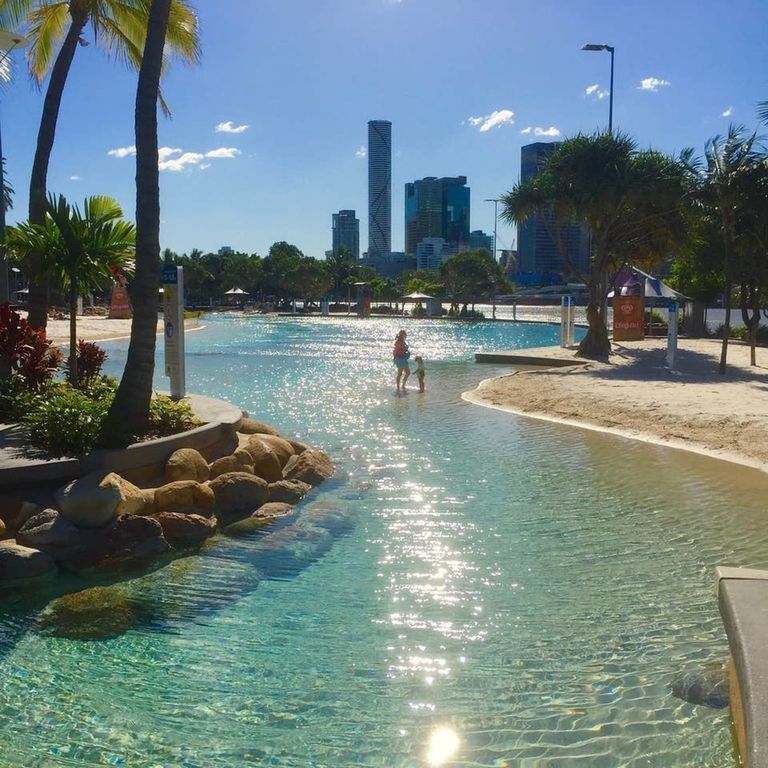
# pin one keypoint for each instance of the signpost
(671, 335)
(567, 317)
(173, 317)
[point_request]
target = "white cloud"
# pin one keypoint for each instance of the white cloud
(165, 152)
(728, 112)
(551, 131)
(179, 163)
(362, 152)
(652, 84)
(596, 91)
(230, 127)
(494, 120)
(74, 178)
(203, 166)
(526, 131)
(123, 151)
(223, 152)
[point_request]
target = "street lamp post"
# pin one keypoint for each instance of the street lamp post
(8, 41)
(610, 49)
(495, 201)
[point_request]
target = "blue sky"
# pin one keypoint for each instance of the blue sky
(305, 76)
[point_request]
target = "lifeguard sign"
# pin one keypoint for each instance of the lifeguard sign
(628, 318)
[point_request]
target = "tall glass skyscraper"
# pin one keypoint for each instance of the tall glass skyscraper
(346, 232)
(437, 208)
(379, 187)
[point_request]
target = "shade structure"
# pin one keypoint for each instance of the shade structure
(237, 292)
(654, 288)
(417, 296)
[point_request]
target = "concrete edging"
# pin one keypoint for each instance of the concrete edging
(742, 596)
(139, 460)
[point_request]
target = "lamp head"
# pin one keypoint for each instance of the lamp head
(594, 47)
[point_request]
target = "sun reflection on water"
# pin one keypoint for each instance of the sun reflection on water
(443, 744)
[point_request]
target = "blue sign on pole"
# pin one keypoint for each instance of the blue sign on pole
(170, 276)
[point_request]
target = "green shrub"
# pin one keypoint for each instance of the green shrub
(67, 422)
(167, 417)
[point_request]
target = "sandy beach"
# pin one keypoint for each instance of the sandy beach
(636, 396)
(96, 328)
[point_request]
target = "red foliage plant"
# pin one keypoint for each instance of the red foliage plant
(25, 350)
(90, 358)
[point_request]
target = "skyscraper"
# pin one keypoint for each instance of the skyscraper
(379, 187)
(346, 232)
(437, 208)
(537, 250)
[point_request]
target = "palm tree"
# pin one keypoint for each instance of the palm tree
(129, 412)
(762, 112)
(80, 250)
(118, 26)
(722, 192)
(631, 202)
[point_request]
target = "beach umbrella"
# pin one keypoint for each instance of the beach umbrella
(417, 296)
(237, 292)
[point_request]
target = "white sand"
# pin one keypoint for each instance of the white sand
(95, 328)
(635, 395)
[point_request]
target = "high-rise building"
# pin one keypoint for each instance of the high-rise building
(431, 252)
(537, 250)
(478, 239)
(346, 232)
(379, 187)
(437, 208)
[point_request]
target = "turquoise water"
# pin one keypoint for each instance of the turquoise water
(490, 591)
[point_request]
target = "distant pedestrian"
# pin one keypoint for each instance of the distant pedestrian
(400, 355)
(419, 360)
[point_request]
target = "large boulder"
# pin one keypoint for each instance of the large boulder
(323, 515)
(25, 511)
(185, 496)
(298, 446)
(708, 686)
(185, 532)
(255, 522)
(253, 427)
(130, 544)
(264, 460)
(93, 500)
(186, 464)
(3, 530)
(288, 491)
(97, 613)
(50, 532)
(231, 464)
(19, 562)
(282, 448)
(237, 492)
(311, 467)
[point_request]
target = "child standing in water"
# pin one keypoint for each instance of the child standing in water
(419, 360)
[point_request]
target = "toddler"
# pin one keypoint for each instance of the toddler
(419, 360)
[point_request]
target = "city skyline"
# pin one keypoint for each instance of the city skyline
(256, 153)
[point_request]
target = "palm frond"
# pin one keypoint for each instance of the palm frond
(48, 24)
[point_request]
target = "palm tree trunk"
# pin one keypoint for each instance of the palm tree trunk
(596, 345)
(38, 286)
(129, 413)
(73, 377)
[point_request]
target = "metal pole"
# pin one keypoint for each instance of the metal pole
(610, 97)
(495, 222)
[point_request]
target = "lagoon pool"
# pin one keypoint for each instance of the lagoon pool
(508, 593)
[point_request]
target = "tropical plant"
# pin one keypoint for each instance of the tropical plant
(56, 29)
(129, 412)
(25, 351)
(90, 359)
(341, 267)
(79, 249)
(631, 202)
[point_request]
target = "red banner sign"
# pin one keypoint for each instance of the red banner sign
(628, 318)
(120, 304)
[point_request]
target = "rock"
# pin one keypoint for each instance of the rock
(264, 460)
(288, 491)
(129, 544)
(253, 427)
(19, 562)
(93, 614)
(311, 467)
(3, 530)
(708, 687)
(287, 551)
(93, 500)
(49, 532)
(322, 515)
(282, 448)
(26, 510)
(185, 496)
(261, 517)
(298, 446)
(184, 532)
(231, 464)
(186, 464)
(149, 500)
(239, 492)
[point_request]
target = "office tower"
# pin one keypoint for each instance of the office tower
(379, 187)
(346, 232)
(538, 252)
(437, 208)
(479, 240)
